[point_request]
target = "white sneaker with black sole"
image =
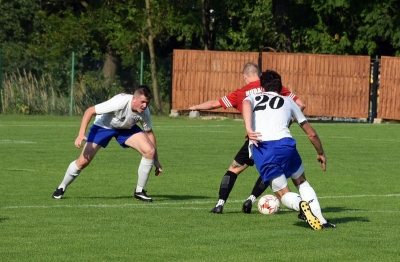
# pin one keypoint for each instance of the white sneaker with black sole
(142, 196)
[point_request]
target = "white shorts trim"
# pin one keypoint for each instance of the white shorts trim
(298, 173)
(278, 183)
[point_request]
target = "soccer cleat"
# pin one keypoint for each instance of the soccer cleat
(217, 209)
(328, 224)
(142, 196)
(312, 220)
(301, 216)
(58, 193)
(247, 205)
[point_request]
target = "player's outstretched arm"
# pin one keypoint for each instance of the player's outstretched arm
(211, 104)
(314, 139)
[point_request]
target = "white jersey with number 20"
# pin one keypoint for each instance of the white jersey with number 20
(272, 114)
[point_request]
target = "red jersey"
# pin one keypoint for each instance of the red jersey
(236, 98)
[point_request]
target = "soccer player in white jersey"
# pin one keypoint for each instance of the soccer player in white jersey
(267, 118)
(117, 118)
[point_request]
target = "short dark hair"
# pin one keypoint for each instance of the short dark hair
(271, 81)
(143, 90)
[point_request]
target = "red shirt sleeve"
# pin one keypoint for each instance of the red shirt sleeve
(286, 92)
(230, 100)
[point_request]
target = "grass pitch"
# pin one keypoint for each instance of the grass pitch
(99, 220)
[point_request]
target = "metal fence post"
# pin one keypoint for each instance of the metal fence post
(141, 68)
(71, 106)
(1, 82)
(374, 94)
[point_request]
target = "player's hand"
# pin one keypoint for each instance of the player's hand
(79, 139)
(255, 137)
(158, 170)
(322, 160)
(192, 108)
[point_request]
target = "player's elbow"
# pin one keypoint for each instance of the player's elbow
(301, 104)
(312, 135)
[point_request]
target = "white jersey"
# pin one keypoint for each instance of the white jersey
(117, 113)
(272, 114)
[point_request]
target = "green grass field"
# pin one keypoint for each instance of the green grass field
(99, 220)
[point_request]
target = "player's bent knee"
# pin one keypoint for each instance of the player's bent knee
(150, 153)
(82, 162)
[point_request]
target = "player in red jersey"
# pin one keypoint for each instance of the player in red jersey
(241, 161)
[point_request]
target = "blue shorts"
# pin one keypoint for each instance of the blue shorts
(102, 136)
(276, 158)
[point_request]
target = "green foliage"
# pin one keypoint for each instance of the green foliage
(24, 94)
(17, 28)
(381, 25)
(38, 37)
(99, 220)
(92, 88)
(247, 26)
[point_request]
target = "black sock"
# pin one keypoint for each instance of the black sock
(227, 183)
(259, 187)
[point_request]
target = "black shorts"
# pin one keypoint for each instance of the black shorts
(242, 157)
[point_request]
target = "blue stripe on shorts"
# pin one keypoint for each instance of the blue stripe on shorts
(102, 136)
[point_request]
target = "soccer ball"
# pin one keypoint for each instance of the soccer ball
(268, 205)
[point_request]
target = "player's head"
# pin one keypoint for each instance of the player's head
(141, 98)
(271, 81)
(143, 90)
(250, 72)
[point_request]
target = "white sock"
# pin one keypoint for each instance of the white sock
(252, 198)
(72, 172)
(291, 200)
(221, 202)
(308, 194)
(143, 173)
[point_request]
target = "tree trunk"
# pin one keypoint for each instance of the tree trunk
(110, 66)
(153, 67)
(205, 15)
(282, 22)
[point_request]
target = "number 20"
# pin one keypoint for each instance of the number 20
(275, 103)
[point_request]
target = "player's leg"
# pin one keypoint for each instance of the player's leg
(97, 137)
(239, 164)
(308, 194)
(293, 201)
(75, 168)
(258, 190)
(141, 143)
(281, 189)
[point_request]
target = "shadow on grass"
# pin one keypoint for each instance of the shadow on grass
(154, 197)
(3, 219)
(341, 220)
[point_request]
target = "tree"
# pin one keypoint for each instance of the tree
(17, 28)
(282, 22)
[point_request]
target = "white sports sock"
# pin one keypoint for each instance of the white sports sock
(308, 194)
(72, 172)
(252, 198)
(143, 173)
(221, 202)
(291, 200)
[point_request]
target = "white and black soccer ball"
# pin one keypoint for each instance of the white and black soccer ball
(268, 205)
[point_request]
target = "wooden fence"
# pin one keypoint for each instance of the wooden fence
(331, 86)
(389, 89)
